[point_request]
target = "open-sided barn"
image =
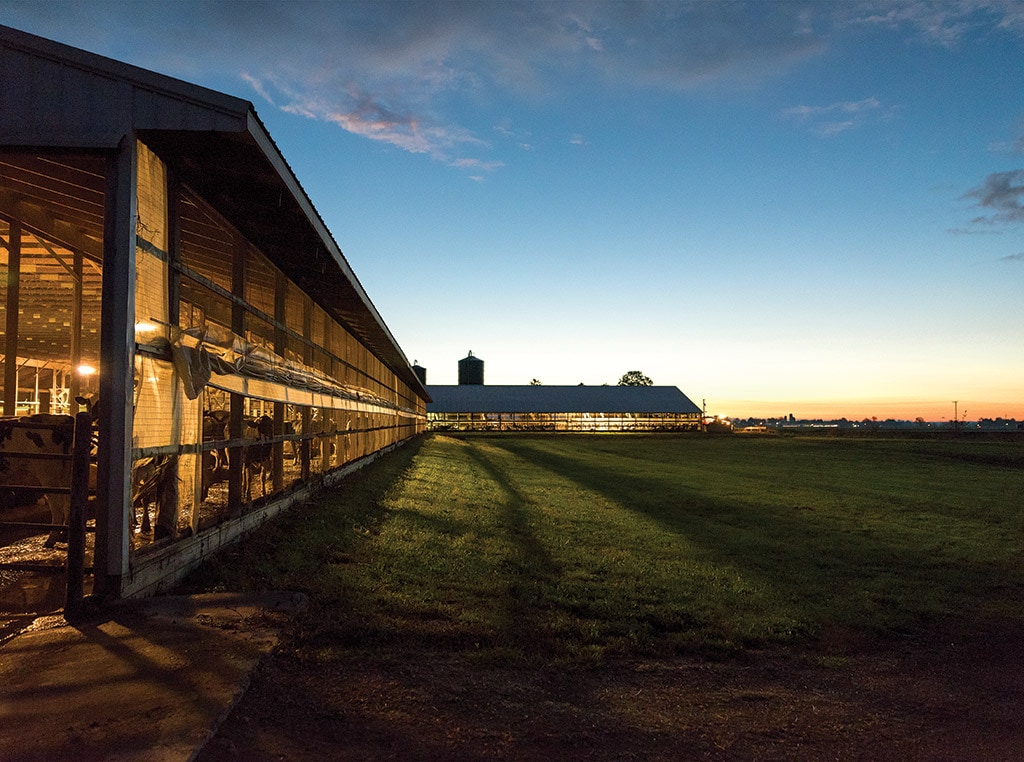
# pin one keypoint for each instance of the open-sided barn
(561, 408)
(159, 255)
(472, 406)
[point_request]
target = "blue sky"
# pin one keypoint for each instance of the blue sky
(806, 207)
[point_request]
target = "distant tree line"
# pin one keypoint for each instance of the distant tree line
(629, 378)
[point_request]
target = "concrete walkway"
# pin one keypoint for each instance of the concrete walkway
(150, 679)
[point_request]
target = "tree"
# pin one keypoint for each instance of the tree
(535, 382)
(635, 378)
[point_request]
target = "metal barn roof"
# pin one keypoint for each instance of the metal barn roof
(558, 399)
(60, 97)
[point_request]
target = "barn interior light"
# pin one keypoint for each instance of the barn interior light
(86, 370)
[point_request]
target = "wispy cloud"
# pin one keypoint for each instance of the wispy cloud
(1002, 193)
(488, 166)
(1013, 258)
(1007, 146)
(944, 23)
(521, 138)
(257, 86)
(362, 113)
(414, 74)
(841, 116)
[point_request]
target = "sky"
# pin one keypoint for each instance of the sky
(813, 208)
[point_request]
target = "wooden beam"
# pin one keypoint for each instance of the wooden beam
(44, 223)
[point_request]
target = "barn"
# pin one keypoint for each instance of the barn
(164, 269)
(473, 406)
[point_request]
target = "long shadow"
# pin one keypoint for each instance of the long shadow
(785, 549)
(529, 567)
(113, 688)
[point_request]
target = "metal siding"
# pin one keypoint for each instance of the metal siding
(47, 103)
(55, 95)
(153, 110)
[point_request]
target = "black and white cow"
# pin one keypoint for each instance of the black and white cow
(42, 434)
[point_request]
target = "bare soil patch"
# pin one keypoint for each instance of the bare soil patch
(954, 694)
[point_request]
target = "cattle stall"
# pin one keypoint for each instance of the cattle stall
(163, 270)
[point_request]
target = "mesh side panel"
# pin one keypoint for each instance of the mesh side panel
(296, 304)
(309, 396)
(199, 306)
(151, 318)
(260, 282)
(207, 244)
(259, 332)
(319, 327)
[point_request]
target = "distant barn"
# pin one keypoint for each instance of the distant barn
(472, 406)
(561, 408)
(161, 256)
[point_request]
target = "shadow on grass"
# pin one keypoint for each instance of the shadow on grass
(298, 549)
(812, 567)
(529, 569)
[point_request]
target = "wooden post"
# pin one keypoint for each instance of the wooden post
(280, 348)
(11, 348)
(76, 332)
(307, 413)
(76, 516)
(236, 456)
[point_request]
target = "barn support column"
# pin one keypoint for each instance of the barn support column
(11, 348)
(117, 350)
(75, 382)
(236, 419)
(280, 342)
(160, 214)
(307, 418)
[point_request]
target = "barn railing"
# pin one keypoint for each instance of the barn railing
(78, 490)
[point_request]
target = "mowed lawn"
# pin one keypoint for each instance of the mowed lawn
(576, 548)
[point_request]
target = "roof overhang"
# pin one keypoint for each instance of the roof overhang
(71, 99)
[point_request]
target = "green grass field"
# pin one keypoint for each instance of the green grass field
(571, 549)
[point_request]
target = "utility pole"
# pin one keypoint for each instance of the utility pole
(956, 421)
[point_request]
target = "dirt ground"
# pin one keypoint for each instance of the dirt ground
(949, 695)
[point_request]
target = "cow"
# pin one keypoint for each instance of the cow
(215, 462)
(41, 434)
(258, 458)
(154, 480)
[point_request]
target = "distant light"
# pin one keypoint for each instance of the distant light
(86, 370)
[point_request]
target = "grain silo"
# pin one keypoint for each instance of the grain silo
(420, 371)
(471, 371)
